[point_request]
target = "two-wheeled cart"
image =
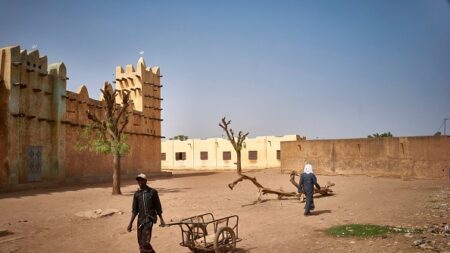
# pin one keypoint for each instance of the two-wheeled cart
(205, 233)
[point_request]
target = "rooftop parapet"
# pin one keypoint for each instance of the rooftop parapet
(143, 82)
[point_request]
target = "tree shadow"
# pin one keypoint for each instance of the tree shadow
(269, 200)
(255, 202)
(161, 191)
(78, 184)
(193, 174)
(53, 188)
(324, 196)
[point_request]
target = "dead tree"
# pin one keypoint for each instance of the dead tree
(109, 137)
(237, 145)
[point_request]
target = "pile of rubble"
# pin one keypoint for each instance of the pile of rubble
(98, 213)
(436, 235)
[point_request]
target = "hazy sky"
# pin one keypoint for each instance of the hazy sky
(326, 69)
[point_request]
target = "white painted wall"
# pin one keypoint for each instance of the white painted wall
(266, 147)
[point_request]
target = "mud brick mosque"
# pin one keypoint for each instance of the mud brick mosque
(40, 121)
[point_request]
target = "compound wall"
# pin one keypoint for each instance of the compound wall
(403, 157)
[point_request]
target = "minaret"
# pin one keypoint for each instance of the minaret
(145, 90)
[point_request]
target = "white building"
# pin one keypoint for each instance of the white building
(218, 153)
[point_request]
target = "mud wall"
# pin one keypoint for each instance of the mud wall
(40, 122)
(403, 157)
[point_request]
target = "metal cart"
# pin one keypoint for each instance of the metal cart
(205, 233)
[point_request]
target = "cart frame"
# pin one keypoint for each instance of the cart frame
(204, 232)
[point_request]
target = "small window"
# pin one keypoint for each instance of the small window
(226, 155)
(252, 155)
(180, 156)
(278, 154)
(163, 156)
(203, 155)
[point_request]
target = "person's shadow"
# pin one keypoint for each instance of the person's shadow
(319, 212)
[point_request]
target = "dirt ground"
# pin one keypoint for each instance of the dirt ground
(44, 220)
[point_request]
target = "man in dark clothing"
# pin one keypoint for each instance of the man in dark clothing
(306, 185)
(147, 206)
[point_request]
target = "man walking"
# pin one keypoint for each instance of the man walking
(306, 185)
(147, 206)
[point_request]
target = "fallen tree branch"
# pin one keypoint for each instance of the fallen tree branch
(324, 190)
(261, 189)
(237, 145)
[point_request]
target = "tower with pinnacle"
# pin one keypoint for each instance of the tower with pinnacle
(144, 84)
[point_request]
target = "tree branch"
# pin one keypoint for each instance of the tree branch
(224, 125)
(123, 109)
(125, 122)
(93, 118)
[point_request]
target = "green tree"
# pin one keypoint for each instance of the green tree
(104, 135)
(180, 137)
(377, 135)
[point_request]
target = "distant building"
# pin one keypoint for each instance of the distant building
(218, 153)
(40, 122)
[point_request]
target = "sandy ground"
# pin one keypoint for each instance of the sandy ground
(45, 221)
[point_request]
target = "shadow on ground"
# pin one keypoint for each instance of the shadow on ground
(319, 212)
(161, 191)
(192, 174)
(271, 200)
(48, 188)
(237, 250)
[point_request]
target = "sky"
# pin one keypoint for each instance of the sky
(322, 69)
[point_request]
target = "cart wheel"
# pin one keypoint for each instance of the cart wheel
(225, 240)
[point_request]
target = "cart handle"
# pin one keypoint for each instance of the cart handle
(188, 220)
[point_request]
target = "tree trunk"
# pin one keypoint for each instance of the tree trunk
(238, 162)
(116, 175)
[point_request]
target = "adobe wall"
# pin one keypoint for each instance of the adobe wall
(40, 122)
(143, 129)
(403, 157)
(144, 155)
(29, 113)
(3, 120)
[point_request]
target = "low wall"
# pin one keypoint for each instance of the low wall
(405, 157)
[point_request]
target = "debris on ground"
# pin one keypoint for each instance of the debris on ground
(98, 213)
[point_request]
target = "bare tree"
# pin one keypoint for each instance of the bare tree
(237, 145)
(109, 137)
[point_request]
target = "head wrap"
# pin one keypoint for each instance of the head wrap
(308, 169)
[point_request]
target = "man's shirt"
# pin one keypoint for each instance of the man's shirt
(146, 204)
(307, 182)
